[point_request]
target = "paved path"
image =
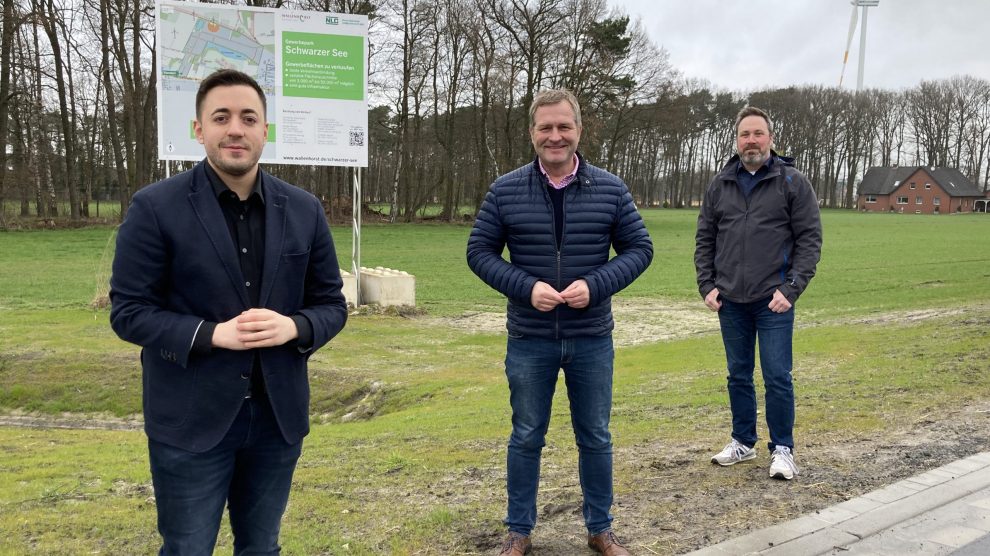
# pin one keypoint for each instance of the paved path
(942, 511)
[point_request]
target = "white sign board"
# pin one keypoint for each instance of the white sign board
(311, 65)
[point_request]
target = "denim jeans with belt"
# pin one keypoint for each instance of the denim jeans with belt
(250, 471)
(532, 366)
(743, 324)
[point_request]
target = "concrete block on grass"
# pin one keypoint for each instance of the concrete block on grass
(350, 288)
(386, 287)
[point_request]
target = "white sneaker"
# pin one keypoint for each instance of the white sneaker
(782, 464)
(733, 453)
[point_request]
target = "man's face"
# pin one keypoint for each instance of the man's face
(753, 141)
(555, 134)
(231, 126)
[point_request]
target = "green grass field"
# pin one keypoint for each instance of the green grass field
(425, 463)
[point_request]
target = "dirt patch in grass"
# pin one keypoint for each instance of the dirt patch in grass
(905, 317)
(637, 321)
(642, 321)
(72, 421)
(673, 500)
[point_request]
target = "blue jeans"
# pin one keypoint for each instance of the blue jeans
(742, 325)
(250, 471)
(532, 366)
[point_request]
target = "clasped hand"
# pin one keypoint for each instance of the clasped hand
(255, 328)
(545, 298)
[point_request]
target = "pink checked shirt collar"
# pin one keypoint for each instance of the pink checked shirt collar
(564, 181)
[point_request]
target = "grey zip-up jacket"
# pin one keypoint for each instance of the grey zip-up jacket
(749, 247)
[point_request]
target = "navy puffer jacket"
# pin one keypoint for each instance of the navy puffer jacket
(599, 213)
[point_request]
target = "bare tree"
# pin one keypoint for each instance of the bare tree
(977, 137)
(929, 109)
(530, 24)
(51, 18)
(6, 45)
(888, 107)
(113, 117)
(451, 42)
(858, 121)
(482, 44)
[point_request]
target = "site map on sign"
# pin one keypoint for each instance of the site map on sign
(197, 42)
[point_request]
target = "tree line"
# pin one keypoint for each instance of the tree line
(450, 82)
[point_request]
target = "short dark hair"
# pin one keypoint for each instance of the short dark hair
(754, 111)
(227, 78)
(553, 96)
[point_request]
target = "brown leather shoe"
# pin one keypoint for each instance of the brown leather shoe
(606, 543)
(515, 545)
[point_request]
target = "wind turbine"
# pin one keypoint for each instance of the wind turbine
(862, 39)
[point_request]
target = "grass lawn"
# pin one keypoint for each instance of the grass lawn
(423, 465)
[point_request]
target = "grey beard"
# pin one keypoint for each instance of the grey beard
(752, 159)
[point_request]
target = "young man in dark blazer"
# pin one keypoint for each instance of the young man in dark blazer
(227, 278)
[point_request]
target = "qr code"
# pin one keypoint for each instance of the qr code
(357, 138)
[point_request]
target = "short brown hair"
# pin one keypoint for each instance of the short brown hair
(228, 78)
(553, 96)
(754, 111)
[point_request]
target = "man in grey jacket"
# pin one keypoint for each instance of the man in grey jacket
(758, 242)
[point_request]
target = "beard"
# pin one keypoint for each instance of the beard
(753, 157)
(234, 167)
(230, 165)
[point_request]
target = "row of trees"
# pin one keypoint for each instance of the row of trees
(451, 81)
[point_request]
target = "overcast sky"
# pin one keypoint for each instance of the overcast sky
(748, 45)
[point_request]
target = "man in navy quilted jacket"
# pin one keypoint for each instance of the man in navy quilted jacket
(559, 217)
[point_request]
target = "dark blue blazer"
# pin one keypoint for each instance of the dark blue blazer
(176, 267)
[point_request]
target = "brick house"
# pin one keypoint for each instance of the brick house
(917, 190)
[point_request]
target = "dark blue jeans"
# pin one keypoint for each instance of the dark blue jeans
(742, 325)
(250, 471)
(532, 366)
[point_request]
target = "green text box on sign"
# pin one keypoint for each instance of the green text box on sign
(322, 66)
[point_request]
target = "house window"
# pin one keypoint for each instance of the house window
(871, 198)
(912, 185)
(917, 212)
(902, 200)
(918, 200)
(937, 201)
(928, 186)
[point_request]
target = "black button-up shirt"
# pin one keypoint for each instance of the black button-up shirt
(246, 224)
